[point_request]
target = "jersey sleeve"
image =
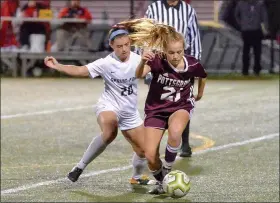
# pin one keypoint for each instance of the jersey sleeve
(200, 71)
(96, 68)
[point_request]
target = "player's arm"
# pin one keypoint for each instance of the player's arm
(201, 75)
(72, 70)
(143, 69)
(200, 89)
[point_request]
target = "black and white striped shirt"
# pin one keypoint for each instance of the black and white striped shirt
(183, 18)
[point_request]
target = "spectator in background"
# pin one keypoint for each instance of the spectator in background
(31, 10)
(7, 36)
(227, 14)
(251, 17)
(70, 31)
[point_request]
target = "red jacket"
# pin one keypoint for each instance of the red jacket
(7, 37)
(32, 11)
(80, 12)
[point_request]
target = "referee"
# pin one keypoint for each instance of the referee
(182, 17)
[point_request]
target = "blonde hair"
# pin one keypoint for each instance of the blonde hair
(145, 33)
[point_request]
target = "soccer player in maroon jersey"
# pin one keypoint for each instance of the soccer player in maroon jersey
(170, 101)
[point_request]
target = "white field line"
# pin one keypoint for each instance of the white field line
(51, 111)
(95, 173)
(45, 112)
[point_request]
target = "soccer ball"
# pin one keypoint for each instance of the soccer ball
(176, 184)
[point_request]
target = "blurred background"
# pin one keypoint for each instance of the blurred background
(31, 30)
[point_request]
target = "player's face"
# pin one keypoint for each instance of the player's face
(121, 47)
(175, 52)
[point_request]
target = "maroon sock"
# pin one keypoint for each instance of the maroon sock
(158, 174)
(171, 153)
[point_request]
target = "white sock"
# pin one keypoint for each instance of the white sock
(139, 165)
(95, 148)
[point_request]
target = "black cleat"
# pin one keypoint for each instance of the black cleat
(157, 190)
(75, 174)
(186, 153)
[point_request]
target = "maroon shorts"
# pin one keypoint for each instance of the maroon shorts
(160, 120)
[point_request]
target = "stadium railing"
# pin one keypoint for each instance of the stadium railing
(99, 29)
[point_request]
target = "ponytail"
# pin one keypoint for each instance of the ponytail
(145, 33)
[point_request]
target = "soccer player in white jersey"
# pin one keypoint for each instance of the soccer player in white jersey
(117, 106)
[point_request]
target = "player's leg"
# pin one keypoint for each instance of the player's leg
(108, 123)
(176, 125)
(154, 129)
(153, 138)
(186, 149)
(132, 128)
(135, 137)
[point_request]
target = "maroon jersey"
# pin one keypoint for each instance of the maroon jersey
(171, 90)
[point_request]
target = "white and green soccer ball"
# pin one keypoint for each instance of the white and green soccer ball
(176, 184)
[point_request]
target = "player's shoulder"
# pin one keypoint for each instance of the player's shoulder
(100, 62)
(135, 55)
(134, 58)
(191, 60)
(109, 59)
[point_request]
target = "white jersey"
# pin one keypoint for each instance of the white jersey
(120, 81)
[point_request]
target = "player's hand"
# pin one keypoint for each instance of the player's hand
(51, 62)
(147, 56)
(198, 97)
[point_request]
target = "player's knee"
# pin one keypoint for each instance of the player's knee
(151, 158)
(110, 124)
(109, 135)
(175, 133)
(140, 152)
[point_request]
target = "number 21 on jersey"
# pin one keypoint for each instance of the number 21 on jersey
(172, 94)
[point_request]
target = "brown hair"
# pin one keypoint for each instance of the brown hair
(145, 33)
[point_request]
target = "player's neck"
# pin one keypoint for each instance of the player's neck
(180, 66)
(120, 59)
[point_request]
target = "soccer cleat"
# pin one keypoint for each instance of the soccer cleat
(74, 174)
(186, 153)
(144, 180)
(157, 190)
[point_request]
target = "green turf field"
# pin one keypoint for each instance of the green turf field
(46, 124)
